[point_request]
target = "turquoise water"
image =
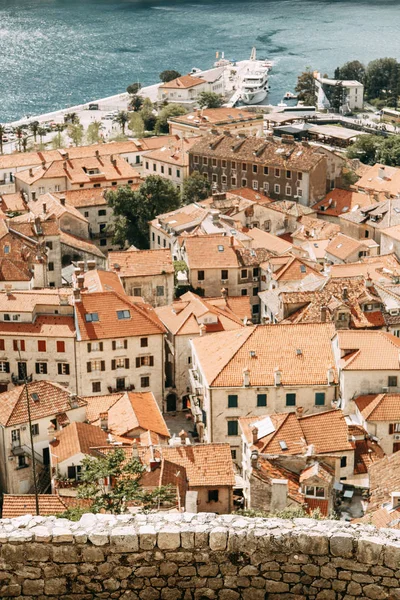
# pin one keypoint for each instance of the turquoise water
(56, 53)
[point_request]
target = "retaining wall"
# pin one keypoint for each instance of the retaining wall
(203, 556)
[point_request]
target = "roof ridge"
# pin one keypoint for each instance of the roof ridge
(276, 431)
(232, 356)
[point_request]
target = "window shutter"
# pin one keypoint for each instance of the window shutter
(137, 362)
(113, 365)
(59, 366)
(44, 368)
(114, 344)
(23, 345)
(89, 367)
(151, 361)
(37, 368)
(103, 365)
(89, 347)
(127, 363)
(67, 369)
(391, 428)
(125, 344)
(101, 346)
(7, 367)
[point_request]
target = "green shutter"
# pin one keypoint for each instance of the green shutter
(261, 399)
(290, 399)
(232, 428)
(320, 399)
(232, 401)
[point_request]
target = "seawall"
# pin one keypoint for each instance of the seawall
(185, 556)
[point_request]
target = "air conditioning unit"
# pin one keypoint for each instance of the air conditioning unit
(385, 390)
(256, 278)
(224, 281)
(396, 437)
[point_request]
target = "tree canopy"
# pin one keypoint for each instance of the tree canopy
(195, 188)
(171, 110)
(134, 88)
(352, 70)
(372, 148)
(169, 75)
(383, 79)
(134, 209)
(126, 487)
(93, 132)
(305, 88)
(210, 100)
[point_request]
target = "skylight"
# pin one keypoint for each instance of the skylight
(283, 445)
(91, 317)
(123, 314)
(35, 397)
(220, 248)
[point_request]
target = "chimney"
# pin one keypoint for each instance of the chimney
(50, 432)
(345, 293)
(62, 201)
(8, 288)
(104, 421)
(202, 329)
(30, 172)
(97, 153)
(66, 155)
(74, 401)
(381, 172)
(80, 281)
(44, 208)
(81, 266)
(77, 295)
(114, 162)
(246, 377)
(254, 433)
(299, 411)
(43, 164)
(277, 376)
(330, 374)
(183, 436)
(215, 216)
(224, 293)
(232, 241)
(395, 499)
(279, 492)
(323, 314)
(91, 265)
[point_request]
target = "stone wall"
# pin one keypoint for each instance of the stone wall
(173, 557)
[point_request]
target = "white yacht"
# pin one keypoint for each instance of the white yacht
(254, 84)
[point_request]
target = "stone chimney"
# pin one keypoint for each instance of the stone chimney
(345, 293)
(104, 421)
(77, 295)
(224, 293)
(97, 153)
(39, 274)
(62, 201)
(254, 459)
(80, 281)
(30, 172)
(202, 329)
(91, 265)
(381, 173)
(277, 376)
(246, 377)
(323, 314)
(299, 411)
(183, 436)
(81, 266)
(44, 206)
(330, 375)
(50, 433)
(232, 241)
(215, 214)
(254, 433)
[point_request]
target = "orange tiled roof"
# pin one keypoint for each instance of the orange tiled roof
(225, 356)
(82, 244)
(174, 154)
(142, 320)
(379, 407)
(384, 478)
(51, 399)
(205, 464)
(182, 82)
(204, 252)
(295, 269)
(141, 263)
(17, 505)
(366, 452)
(216, 117)
(90, 196)
(96, 280)
(53, 207)
(368, 350)
(339, 201)
(14, 270)
(378, 268)
(263, 239)
(100, 404)
(372, 180)
(269, 469)
(27, 300)
(15, 202)
(44, 326)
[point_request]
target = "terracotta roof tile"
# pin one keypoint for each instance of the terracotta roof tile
(205, 464)
(57, 326)
(18, 505)
(174, 154)
(379, 407)
(82, 244)
(96, 280)
(368, 350)
(339, 201)
(216, 117)
(27, 300)
(182, 82)
(141, 263)
(210, 252)
(342, 246)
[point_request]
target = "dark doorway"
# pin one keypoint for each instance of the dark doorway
(46, 456)
(171, 403)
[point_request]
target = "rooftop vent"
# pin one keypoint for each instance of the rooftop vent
(299, 352)
(283, 445)
(35, 397)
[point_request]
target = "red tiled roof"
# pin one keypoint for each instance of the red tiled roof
(15, 505)
(141, 263)
(379, 407)
(205, 464)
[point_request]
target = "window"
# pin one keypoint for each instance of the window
(300, 176)
(255, 169)
(97, 185)
(213, 495)
(267, 225)
(35, 429)
(153, 237)
(50, 266)
(178, 173)
(147, 165)
(102, 227)
(244, 182)
(16, 317)
(41, 346)
(158, 240)
(95, 347)
(60, 346)
(4, 366)
(41, 368)
(120, 383)
(266, 186)
(123, 314)
(144, 361)
(137, 291)
(200, 275)
(120, 363)
(19, 345)
(392, 381)
(102, 212)
(22, 462)
(288, 190)
(91, 317)
(224, 179)
(224, 274)
(256, 272)
(232, 401)
(243, 292)
(41, 190)
(118, 344)
(6, 249)
(86, 213)
(169, 171)
(49, 245)
(233, 164)
(244, 167)
(243, 274)
(223, 163)
(103, 242)
(144, 342)
(316, 492)
(277, 172)
(145, 382)
(343, 461)
(255, 184)
(261, 399)
(277, 188)
(256, 309)
(74, 472)
(288, 174)
(96, 387)
(2, 346)
(63, 368)
(56, 188)
(233, 181)
(255, 291)
(232, 428)
(196, 159)
(214, 178)
(96, 365)
(290, 399)
(154, 167)
(162, 169)
(160, 290)
(320, 399)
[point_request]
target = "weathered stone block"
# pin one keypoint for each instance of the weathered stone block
(218, 538)
(341, 544)
(369, 550)
(313, 543)
(169, 538)
(375, 592)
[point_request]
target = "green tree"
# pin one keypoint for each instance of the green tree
(210, 100)
(71, 118)
(169, 75)
(305, 88)
(134, 209)
(388, 152)
(122, 119)
(136, 124)
(75, 132)
(58, 140)
(147, 114)
(93, 132)
(41, 132)
(2, 134)
(24, 142)
(365, 149)
(133, 88)
(34, 127)
(126, 488)
(136, 102)
(352, 70)
(195, 188)
(19, 134)
(382, 79)
(171, 110)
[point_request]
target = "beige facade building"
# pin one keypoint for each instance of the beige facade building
(145, 273)
(184, 90)
(261, 369)
(379, 414)
(201, 121)
(170, 162)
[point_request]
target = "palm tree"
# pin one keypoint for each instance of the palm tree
(2, 133)
(122, 119)
(41, 131)
(71, 118)
(19, 132)
(24, 142)
(34, 126)
(59, 128)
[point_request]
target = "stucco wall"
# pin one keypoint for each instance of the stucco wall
(173, 557)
